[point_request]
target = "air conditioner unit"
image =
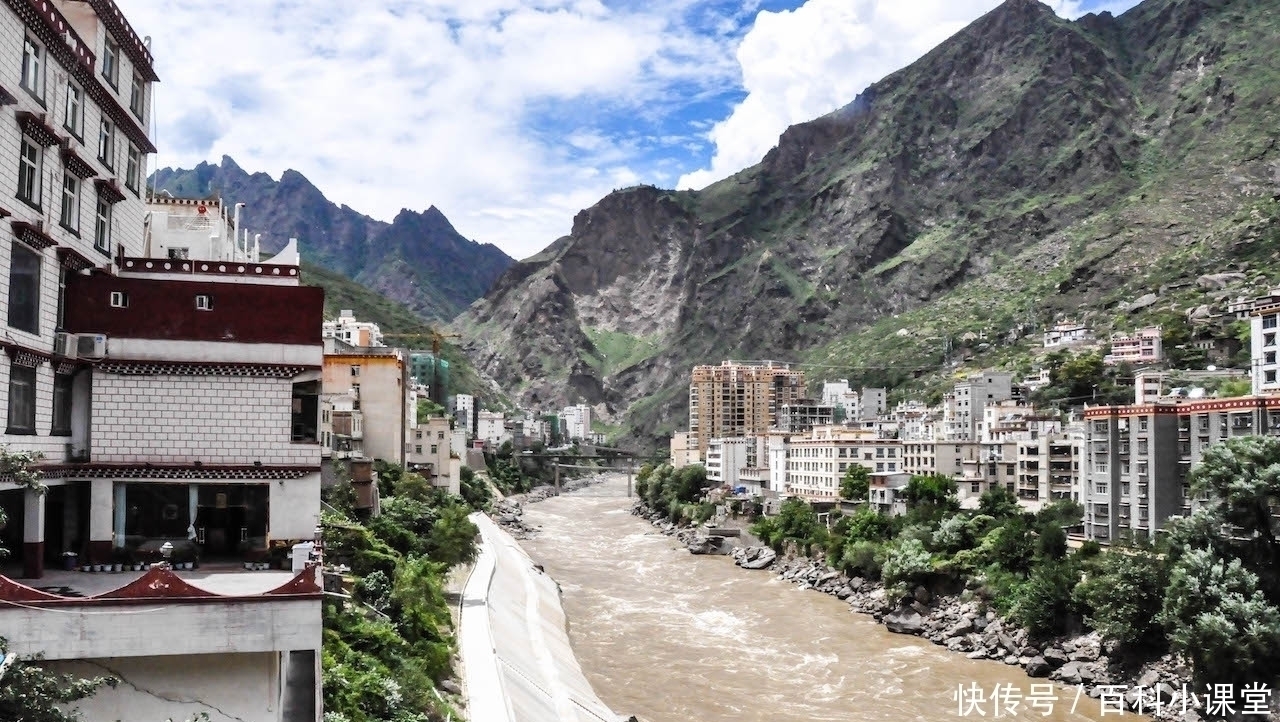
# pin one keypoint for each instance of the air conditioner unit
(64, 344)
(91, 346)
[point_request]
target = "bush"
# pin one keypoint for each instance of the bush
(862, 558)
(904, 563)
(1044, 604)
(1123, 598)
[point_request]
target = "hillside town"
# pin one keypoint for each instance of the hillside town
(760, 434)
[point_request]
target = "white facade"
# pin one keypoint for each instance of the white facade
(816, 462)
(577, 421)
(348, 330)
(684, 449)
(837, 394)
(725, 460)
(464, 406)
(1067, 334)
(872, 403)
(491, 427)
(429, 453)
(1264, 367)
(183, 228)
(973, 395)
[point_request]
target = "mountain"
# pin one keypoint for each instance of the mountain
(418, 259)
(1027, 168)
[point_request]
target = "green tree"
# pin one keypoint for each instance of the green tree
(1124, 596)
(31, 693)
(933, 490)
(1219, 619)
(856, 483)
(1045, 604)
(905, 562)
(998, 502)
(452, 539)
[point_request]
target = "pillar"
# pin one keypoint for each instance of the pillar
(101, 520)
(33, 535)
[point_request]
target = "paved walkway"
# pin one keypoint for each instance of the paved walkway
(519, 666)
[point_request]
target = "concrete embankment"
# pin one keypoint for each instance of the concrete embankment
(519, 665)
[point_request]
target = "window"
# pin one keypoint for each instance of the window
(119, 299)
(1142, 423)
(355, 370)
(111, 62)
(107, 144)
(1268, 339)
(29, 162)
(1142, 446)
(73, 117)
(1269, 357)
(1270, 377)
(434, 448)
(102, 227)
(61, 405)
(22, 399)
(439, 434)
(133, 169)
(1269, 321)
(24, 289)
(70, 217)
(180, 254)
(138, 95)
(880, 466)
(417, 449)
(33, 69)
(204, 302)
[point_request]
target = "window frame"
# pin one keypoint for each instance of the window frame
(33, 177)
(40, 58)
(133, 168)
(69, 205)
(107, 143)
(102, 226)
(63, 385)
(111, 62)
(74, 126)
(36, 258)
(138, 97)
(24, 376)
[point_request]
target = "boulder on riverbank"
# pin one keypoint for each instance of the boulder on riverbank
(754, 557)
(906, 621)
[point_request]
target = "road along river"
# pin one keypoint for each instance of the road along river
(672, 637)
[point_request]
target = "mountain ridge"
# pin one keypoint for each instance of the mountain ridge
(417, 259)
(1023, 169)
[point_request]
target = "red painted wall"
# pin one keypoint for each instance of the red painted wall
(164, 309)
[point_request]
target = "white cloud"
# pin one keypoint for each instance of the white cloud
(411, 103)
(803, 63)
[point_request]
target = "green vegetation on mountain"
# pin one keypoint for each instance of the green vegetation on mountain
(1026, 170)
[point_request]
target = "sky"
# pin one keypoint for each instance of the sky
(510, 116)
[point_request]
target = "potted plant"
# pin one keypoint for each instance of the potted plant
(119, 558)
(70, 560)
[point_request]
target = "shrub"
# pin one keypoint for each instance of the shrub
(1123, 598)
(862, 558)
(1044, 604)
(905, 562)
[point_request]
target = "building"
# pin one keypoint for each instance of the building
(816, 462)
(840, 397)
(800, 416)
(1143, 346)
(885, 494)
(491, 428)
(1264, 367)
(347, 329)
(428, 453)
(684, 449)
(1066, 334)
(431, 373)
(341, 425)
(464, 410)
(197, 228)
(1049, 467)
(725, 459)
(377, 379)
(872, 404)
(972, 396)
(577, 421)
(738, 399)
(1137, 458)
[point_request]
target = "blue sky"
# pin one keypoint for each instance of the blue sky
(512, 115)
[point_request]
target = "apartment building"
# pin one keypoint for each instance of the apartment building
(1049, 467)
(684, 449)
(577, 421)
(726, 458)
(737, 399)
(376, 380)
(465, 410)
(1066, 334)
(1144, 346)
(971, 396)
(428, 453)
(491, 428)
(816, 462)
(800, 416)
(1264, 366)
(840, 397)
(872, 404)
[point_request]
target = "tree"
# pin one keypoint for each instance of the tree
(31, 693)
(1045, 604)
(452, 539)
(998, 502)
(1219, 619)
(932, 490)
(1124, 596)
(856, 483)
(905, 562)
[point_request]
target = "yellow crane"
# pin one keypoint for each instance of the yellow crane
(436, 337)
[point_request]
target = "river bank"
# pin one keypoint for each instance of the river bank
(1158, 688)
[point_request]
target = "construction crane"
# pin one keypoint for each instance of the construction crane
(436, 337)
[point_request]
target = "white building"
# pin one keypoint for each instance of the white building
(838, 395)
(684, 449)
(428, 452)
(725, 460)
(872, 403)
(201, 228)
(1067, 334)
(816, 462)
(577, 422)
(491, 427)
(972, 396)
(1264, 367)
(464, 410)
(348, 330)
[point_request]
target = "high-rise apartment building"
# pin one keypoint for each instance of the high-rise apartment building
(740, 398)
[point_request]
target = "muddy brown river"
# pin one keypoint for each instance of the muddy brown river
(671, 637)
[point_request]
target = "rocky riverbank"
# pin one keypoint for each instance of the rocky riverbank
(508, 513)
(967, 627)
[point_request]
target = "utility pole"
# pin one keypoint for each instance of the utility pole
(630, 469)
(557, 462)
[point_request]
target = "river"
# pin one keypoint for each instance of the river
(671, 637)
